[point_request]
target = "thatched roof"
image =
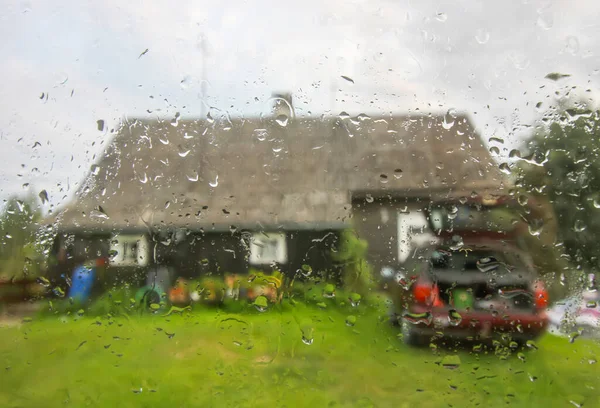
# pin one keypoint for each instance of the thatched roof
(258, 171)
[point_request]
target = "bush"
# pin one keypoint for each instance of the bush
(352, 257)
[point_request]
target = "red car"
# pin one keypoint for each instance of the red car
(472, 292)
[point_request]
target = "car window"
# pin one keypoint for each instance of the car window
(315, 204)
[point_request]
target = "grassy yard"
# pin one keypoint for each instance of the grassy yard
(211, 358)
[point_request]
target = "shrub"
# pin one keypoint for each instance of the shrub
(356, 270)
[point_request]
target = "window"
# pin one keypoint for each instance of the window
(268, 248)
(129, 250)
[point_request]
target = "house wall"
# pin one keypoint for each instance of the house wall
(393, 227)
(192, 254)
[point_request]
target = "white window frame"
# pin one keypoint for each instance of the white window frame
(413, 233)
(118, 243)
(258, 244)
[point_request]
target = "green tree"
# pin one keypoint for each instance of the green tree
(20, 250)
(564, 169)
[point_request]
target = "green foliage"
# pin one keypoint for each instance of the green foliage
(21, 243)
(352, 257)
(564, 167)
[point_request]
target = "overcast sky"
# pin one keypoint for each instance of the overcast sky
(87, 58)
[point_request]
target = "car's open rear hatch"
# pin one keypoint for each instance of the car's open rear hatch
(482, 280)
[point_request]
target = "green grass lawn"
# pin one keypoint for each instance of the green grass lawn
(211, 358)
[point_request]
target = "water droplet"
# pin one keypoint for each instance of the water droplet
(306, 270)
(451, 362)
(192, 177)
(397, 173)
(347, 78)
(572, 45)
(186, 82)
(405, 282)
(482, 36)
(505, 168)
(523, 200)
(579, 226)
(563, 279)
(175, 120)
(448, 122)
(441, 17)
(100, 125)
(282, 120)
(329, 291)
(545, 20)
(418, 318)
(512, 293)
(95, 169)
(261, 304)
(535, 227)
(591, 304)
(184, 153)
(456, 243)
(354, 299)
(43, 281)
(487, 264)
(163, 139)
(98, 212)
(307, 341)
(494, 150)
(573, 336)
(58, 292)
(214, 183)
(521, 357)
(596, 202)
(514, 153)
(369, 198)
(383, 178)
(143, 179)
(350, 320)
(43, 196)
(260, 134)
(531, 344)
(454, 317)
(209, 118)
(452, 212)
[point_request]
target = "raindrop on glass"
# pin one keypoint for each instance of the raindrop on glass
(260, 134)
(454, 317)
(43, 196)
(545, 20)
(425, 318)
(487, 264)
(482, 36)
(457, 243)
(579, 226)
(282, 120)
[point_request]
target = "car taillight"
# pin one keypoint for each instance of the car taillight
(541, 295)
(427, 293)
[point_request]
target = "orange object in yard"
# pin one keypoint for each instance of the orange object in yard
(179, 293)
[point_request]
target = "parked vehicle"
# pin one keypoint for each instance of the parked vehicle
(474, 292)
(577, 315)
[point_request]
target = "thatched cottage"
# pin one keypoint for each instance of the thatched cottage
(226, 194)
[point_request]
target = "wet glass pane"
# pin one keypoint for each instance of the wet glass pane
(299, 204)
